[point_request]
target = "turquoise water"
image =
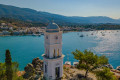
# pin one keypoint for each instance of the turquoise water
(25, 48)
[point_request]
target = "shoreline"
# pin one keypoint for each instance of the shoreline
(63, 32)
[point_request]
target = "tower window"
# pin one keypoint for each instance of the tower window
(46, 37)
(54, 53)
(58, 52)
(45, 68)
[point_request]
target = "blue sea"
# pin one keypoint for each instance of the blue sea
(25, 48)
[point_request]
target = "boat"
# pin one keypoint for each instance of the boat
(68, 63)
(33, 34)
(91, 33)
(118, 68)
(81, 35)
(75, 64)
(42, 33)
(36, 34)
(39, 35)
(103, 34)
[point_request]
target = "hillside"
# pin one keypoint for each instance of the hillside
(20, 23)
(27, 14)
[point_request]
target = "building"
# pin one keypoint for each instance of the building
(53, 57)
(1, 33)
(6, 33)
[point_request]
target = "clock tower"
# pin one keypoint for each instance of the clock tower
(53, 58)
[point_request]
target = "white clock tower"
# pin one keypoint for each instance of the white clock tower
(53, 58)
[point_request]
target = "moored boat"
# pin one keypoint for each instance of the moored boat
(75, 64)
(118, 68)
(81, 35)
(68, 63)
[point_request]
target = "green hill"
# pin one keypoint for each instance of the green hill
(31, 15)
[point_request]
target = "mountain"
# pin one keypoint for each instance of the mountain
(27, 14)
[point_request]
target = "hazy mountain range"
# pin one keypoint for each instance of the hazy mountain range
(44, 17)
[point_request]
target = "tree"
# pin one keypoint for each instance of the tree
(89, 61)
(2, 71)
(105, 74)
(8, 63)
(9, 69)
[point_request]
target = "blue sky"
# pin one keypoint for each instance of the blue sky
(110, 8)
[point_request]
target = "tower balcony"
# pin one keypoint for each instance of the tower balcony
(47, 57)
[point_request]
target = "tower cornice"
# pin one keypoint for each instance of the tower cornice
(59, 57)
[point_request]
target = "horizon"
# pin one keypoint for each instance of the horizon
(94, 9)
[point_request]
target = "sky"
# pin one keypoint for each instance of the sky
(84, 8)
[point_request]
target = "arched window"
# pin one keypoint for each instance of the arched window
(58, 52)
(54, 53)
(46, 37)
(45, 68)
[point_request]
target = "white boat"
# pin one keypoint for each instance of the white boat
(39, 35)
(75, 63)
(118, 68)
(33, 34)
(103, 34)
(68, 63)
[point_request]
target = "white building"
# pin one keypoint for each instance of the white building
(6, 33)
(53, 58)
(1, 33)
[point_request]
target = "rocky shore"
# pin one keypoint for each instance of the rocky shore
(33, 70)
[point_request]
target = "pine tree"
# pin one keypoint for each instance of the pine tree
(8, 62)
(89, 61)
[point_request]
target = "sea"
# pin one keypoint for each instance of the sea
(25, 48)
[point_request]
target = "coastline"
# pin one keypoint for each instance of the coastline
(33, 40)
(63, 32)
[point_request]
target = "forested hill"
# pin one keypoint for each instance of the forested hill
(27, 14)
(20, 23)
